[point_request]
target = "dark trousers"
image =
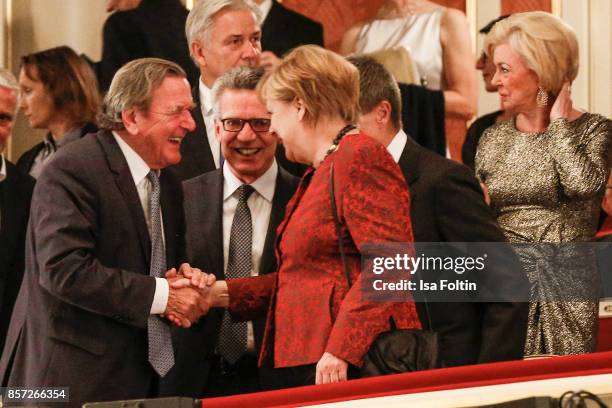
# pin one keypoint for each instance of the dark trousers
(297, 376)
(287, 377)
(231, 379)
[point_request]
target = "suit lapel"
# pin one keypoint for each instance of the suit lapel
(210, 207)
(202, 154)
(125, 182)
(282, 193)
(409, 163)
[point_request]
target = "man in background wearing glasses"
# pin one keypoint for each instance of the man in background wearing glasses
(231, 215)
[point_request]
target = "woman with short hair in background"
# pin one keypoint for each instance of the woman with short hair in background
(59, 93)
(545, 170)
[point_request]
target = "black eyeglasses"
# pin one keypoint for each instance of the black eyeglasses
(236, 124)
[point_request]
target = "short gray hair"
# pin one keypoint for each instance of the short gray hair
(245, 78)
(201, 17)
(376, 84)
(133, 86)
(8, 80)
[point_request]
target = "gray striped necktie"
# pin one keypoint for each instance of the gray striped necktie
(233, 336)
(161, 353)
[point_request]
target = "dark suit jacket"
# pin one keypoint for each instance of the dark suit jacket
(204, 240)
(81, 316)
(25, 162)
(285, 29)
(447, 206)
(15, 196)
(156, 28)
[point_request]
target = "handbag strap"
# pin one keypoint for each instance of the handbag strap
(334, 207)
(338, 226)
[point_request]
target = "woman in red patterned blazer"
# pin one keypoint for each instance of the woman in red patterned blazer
(316, 324)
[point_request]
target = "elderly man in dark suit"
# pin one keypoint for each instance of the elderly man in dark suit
(15, 194)
(231, 233)
(104, 229)
(447, 205)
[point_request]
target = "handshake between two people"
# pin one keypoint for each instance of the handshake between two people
(191, 295)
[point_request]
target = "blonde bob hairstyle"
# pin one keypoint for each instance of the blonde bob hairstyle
(326, 83)
(545, 43)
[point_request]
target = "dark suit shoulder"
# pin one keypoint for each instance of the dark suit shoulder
(289, 179)
(79, 160)
(19, 179)
(202, 179)
(295, 17)
(24, 163)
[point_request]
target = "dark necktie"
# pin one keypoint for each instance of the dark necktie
(233, 336)
(161, 353)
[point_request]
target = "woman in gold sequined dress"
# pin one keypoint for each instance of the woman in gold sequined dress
(545, 170)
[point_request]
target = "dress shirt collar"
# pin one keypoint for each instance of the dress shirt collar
(264, 9)
(206, 98)
(137, 165)
(264, 185)
(2, 169)
(397, 145)
(49, 142)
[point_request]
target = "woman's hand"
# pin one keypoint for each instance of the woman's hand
(331, 369)
(563, 106)
(485, 193)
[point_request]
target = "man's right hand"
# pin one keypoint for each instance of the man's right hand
(189, 295)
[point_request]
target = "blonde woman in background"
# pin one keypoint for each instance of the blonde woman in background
(438, 41)
(546, 170)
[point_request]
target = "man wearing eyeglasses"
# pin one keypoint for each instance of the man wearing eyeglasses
(231, 217)
(15, 195)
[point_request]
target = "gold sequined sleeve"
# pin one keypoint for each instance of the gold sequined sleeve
(581, 160)
(480, 160)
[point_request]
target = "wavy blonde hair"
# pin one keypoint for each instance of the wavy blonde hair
(546, 44)
(326, 83)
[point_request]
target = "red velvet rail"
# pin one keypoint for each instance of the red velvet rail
(425, 381)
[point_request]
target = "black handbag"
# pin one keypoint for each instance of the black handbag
(397, 350)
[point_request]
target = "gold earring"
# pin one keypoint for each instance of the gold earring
(542, 97)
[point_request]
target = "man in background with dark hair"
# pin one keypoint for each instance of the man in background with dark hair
(446, 206)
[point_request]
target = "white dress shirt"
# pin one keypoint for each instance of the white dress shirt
(2, 169)
(260, 205)
(140, 170)
(397, 145)
(264, 9)
(206, 105)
